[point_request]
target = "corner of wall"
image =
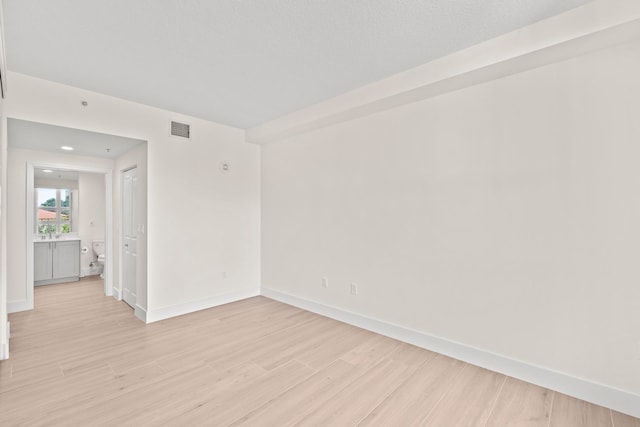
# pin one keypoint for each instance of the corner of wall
(154, 315)
(140, 312)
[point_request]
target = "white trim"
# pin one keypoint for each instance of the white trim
(3, 58)
(599, 394)
(108, 225)
(16, 306)
(56, 281)
(120, 214)
(29, 234)
(140, 312)
(4, 347)
(4, 340)
(190, 307)
(108, 266)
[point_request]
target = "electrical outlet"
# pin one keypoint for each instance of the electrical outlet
(325, 282)
(224, 275)
(354, 288)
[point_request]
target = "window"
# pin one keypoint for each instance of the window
(53, 213)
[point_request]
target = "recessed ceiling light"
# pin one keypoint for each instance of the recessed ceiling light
(47, 170)
(66, 148)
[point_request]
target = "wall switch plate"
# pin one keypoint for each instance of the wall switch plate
(325, 282)
(354, 288)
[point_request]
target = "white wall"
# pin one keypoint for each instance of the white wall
(503, 216)
(90, 221)
(55, 183)
(4, 336)
(200, 223)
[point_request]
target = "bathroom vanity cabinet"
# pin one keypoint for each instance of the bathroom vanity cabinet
(56, 261)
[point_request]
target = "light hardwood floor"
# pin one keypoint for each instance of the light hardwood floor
(81, 359)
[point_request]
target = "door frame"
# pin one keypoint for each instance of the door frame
(108, 219)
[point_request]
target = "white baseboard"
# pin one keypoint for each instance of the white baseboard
(599, 394)
(4, 351)
(91, 271)
(190, 307)
(117, 294)
(141, 313)
(4, 347)
(16, 306)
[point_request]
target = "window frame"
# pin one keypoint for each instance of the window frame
(59, 222)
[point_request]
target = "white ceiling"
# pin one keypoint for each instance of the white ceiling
(245, 62)
(43, 137)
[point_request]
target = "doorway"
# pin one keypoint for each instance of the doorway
(47, 146)
(30, 225)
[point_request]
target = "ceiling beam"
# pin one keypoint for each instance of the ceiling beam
(597, 25)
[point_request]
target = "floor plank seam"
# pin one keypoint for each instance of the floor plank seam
(553, 398)
(613, 423)
(386, 395)
(315, 371)
(495, 400)
(442, 395)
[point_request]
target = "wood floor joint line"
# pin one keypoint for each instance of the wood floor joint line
(553, 398)
(495, 400)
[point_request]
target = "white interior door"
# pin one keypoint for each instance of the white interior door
(129, 240)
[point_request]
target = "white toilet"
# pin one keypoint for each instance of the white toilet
(98, 249)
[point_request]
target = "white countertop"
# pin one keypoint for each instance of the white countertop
(53, 239)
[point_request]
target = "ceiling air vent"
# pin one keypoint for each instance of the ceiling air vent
(181, 130)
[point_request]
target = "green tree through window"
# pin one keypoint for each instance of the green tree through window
(53, 213)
